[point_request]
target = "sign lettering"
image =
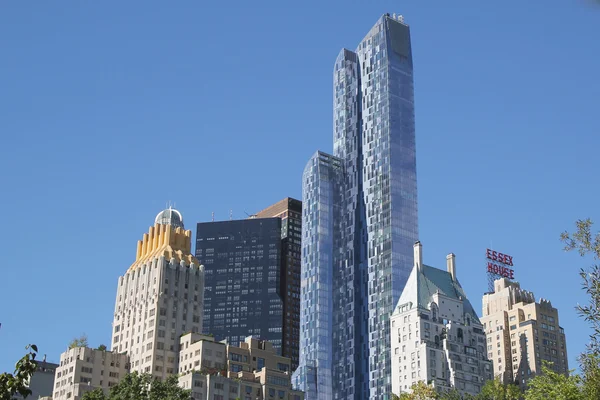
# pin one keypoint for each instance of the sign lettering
(500, 264)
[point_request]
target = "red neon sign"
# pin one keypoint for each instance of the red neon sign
(501, 258)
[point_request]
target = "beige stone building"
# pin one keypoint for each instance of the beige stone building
(218, 371)
(159, 298)
(521, 332)
(83, 369)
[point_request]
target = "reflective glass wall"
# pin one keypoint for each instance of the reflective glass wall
(321, 199)
(376, 218)
(389, 183)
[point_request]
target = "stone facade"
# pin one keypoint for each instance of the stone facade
(218, 371)
(159, 298)
(436, 335)
(521, 333)
(83, 369)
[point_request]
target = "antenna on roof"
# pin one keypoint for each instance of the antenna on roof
(230, 215)
(213, 216)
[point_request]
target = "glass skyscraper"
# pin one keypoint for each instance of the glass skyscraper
(359, 221)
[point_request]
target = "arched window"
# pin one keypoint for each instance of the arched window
(434, 311)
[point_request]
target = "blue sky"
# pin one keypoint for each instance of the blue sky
(110, 109)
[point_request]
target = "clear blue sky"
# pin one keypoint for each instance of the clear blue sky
(110, 109)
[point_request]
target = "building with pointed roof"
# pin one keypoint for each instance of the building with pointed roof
(436, 336)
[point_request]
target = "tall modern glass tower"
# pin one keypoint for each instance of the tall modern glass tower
(359, 221)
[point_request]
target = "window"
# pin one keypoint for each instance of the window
(236, 367)
(277, 380)
(283, 367)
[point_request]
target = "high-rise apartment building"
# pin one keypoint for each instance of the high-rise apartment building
(521, 333)
(321, 195)
(290, 212)
(436, 335)
(368, 235)
(159, 298)
(83, 369)
(243, 292)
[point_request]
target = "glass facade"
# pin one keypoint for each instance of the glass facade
(242, 292)
(374, 223)
(321, 200)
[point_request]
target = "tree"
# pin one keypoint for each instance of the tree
(81, 341)
(453, 394)
(587, 243)
(496, 390)
(136, 386)
(552, 385)
(96, 394)
(102, 347)
(16, 383)
(420, 391)
(590, 369)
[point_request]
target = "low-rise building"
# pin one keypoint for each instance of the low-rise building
(83, 369)
(218, 371)
(436, 336)
(521, 333)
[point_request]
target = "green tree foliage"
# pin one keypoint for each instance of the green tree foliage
(96, 394)
(590, 370)
(16, 383)
(420, 391)
(102, 347)
(81, 341)
(453, 394)
(136, 386)
(496, 390)
(552, 385)
(587, 243)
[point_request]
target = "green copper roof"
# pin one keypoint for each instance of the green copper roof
(431, 280)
